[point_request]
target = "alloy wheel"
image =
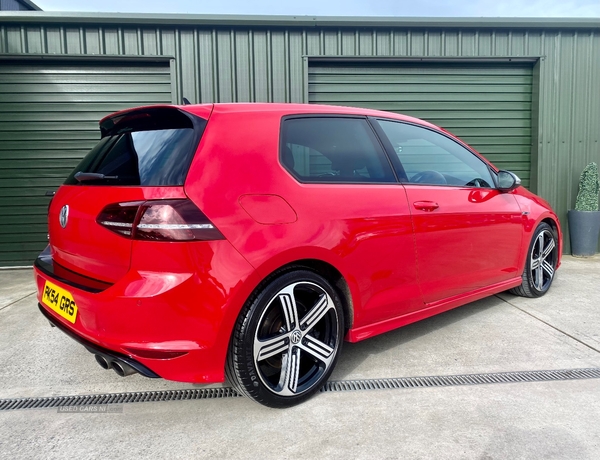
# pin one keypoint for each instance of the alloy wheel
(543, 260)
(297, 339)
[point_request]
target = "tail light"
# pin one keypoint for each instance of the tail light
(159, 220)
(119, 217)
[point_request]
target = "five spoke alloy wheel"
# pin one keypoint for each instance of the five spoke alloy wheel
(541, 263)
(287, 341)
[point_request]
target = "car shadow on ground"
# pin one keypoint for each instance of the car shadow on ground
(389, 347)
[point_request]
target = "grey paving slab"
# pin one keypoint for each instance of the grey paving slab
(550, 420)
(485, 336)
(573, 303)
(15, 285)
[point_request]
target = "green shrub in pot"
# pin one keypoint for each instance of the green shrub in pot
(584, 220)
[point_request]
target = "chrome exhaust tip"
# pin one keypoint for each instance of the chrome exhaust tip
(122, 369)
(104, 364)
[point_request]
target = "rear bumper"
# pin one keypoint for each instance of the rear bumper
(96, 349)
(167, 323)
(46, 265)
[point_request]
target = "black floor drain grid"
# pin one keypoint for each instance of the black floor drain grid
(333, 386)
(464, 379)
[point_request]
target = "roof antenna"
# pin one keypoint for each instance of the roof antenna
(186, 101)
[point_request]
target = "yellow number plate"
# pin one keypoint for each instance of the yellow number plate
(60, 300)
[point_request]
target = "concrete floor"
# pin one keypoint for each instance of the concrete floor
(501, 333)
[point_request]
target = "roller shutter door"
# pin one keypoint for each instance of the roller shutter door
(486, 105)
(49, 116)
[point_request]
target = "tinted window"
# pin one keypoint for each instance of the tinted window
(327, 149)
(432, 158)
(143, 151)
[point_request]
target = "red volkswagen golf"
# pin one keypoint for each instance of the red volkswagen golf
(247, 241)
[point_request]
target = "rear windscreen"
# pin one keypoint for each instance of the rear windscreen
(150, 148)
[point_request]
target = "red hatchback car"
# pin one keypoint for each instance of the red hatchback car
(247, 241)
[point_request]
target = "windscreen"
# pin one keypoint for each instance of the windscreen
(150, 148)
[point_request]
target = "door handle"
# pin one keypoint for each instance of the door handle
(427, 206)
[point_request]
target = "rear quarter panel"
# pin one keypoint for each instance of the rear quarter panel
(238, 155)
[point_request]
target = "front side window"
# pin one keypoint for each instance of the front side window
(330, 149)
(432, 158)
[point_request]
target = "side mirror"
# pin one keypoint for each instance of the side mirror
(507, 181)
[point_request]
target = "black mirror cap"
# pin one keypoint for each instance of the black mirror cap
(508, 181)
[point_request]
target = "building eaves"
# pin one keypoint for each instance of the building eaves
(27, 17)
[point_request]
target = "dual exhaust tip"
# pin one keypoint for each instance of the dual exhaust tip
(122, 369)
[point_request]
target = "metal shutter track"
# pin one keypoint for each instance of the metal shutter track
(486, 105)
(48, 121)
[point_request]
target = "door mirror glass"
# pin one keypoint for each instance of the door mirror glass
(507, 181)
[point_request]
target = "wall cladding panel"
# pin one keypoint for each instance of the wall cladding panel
(243, 70)
(150, 42)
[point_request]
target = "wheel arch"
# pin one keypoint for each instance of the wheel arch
(318, 260)
(529, 229)
(528, 287)
(548, 220)
(552, 220)
(324, 268)
(334, 276)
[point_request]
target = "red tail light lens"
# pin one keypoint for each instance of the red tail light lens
(174, 220)
(119, 217)
(159, 220)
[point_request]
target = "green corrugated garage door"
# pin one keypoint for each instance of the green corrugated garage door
(48, 121)
(486, 105)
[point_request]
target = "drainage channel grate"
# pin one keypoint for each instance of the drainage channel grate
(334, 386)
(465, 379)
(115, 398)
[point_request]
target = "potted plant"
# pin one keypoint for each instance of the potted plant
(584, 220)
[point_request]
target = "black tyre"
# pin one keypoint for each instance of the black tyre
(287, 340)
(540, 267)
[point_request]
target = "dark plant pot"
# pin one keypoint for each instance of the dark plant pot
(584, 227)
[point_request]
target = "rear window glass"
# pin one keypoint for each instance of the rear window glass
(153, 148)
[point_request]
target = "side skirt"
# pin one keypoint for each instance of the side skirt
(431, 309)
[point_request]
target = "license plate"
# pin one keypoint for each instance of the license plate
(60, 300)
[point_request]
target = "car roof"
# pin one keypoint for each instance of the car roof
(297, 109)
(204, 110)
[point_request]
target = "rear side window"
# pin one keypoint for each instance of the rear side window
(330, 149)
(150, 148)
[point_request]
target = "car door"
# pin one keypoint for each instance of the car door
(467, 233)
(359, 209)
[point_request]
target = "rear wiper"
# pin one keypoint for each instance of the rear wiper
(84, 176)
